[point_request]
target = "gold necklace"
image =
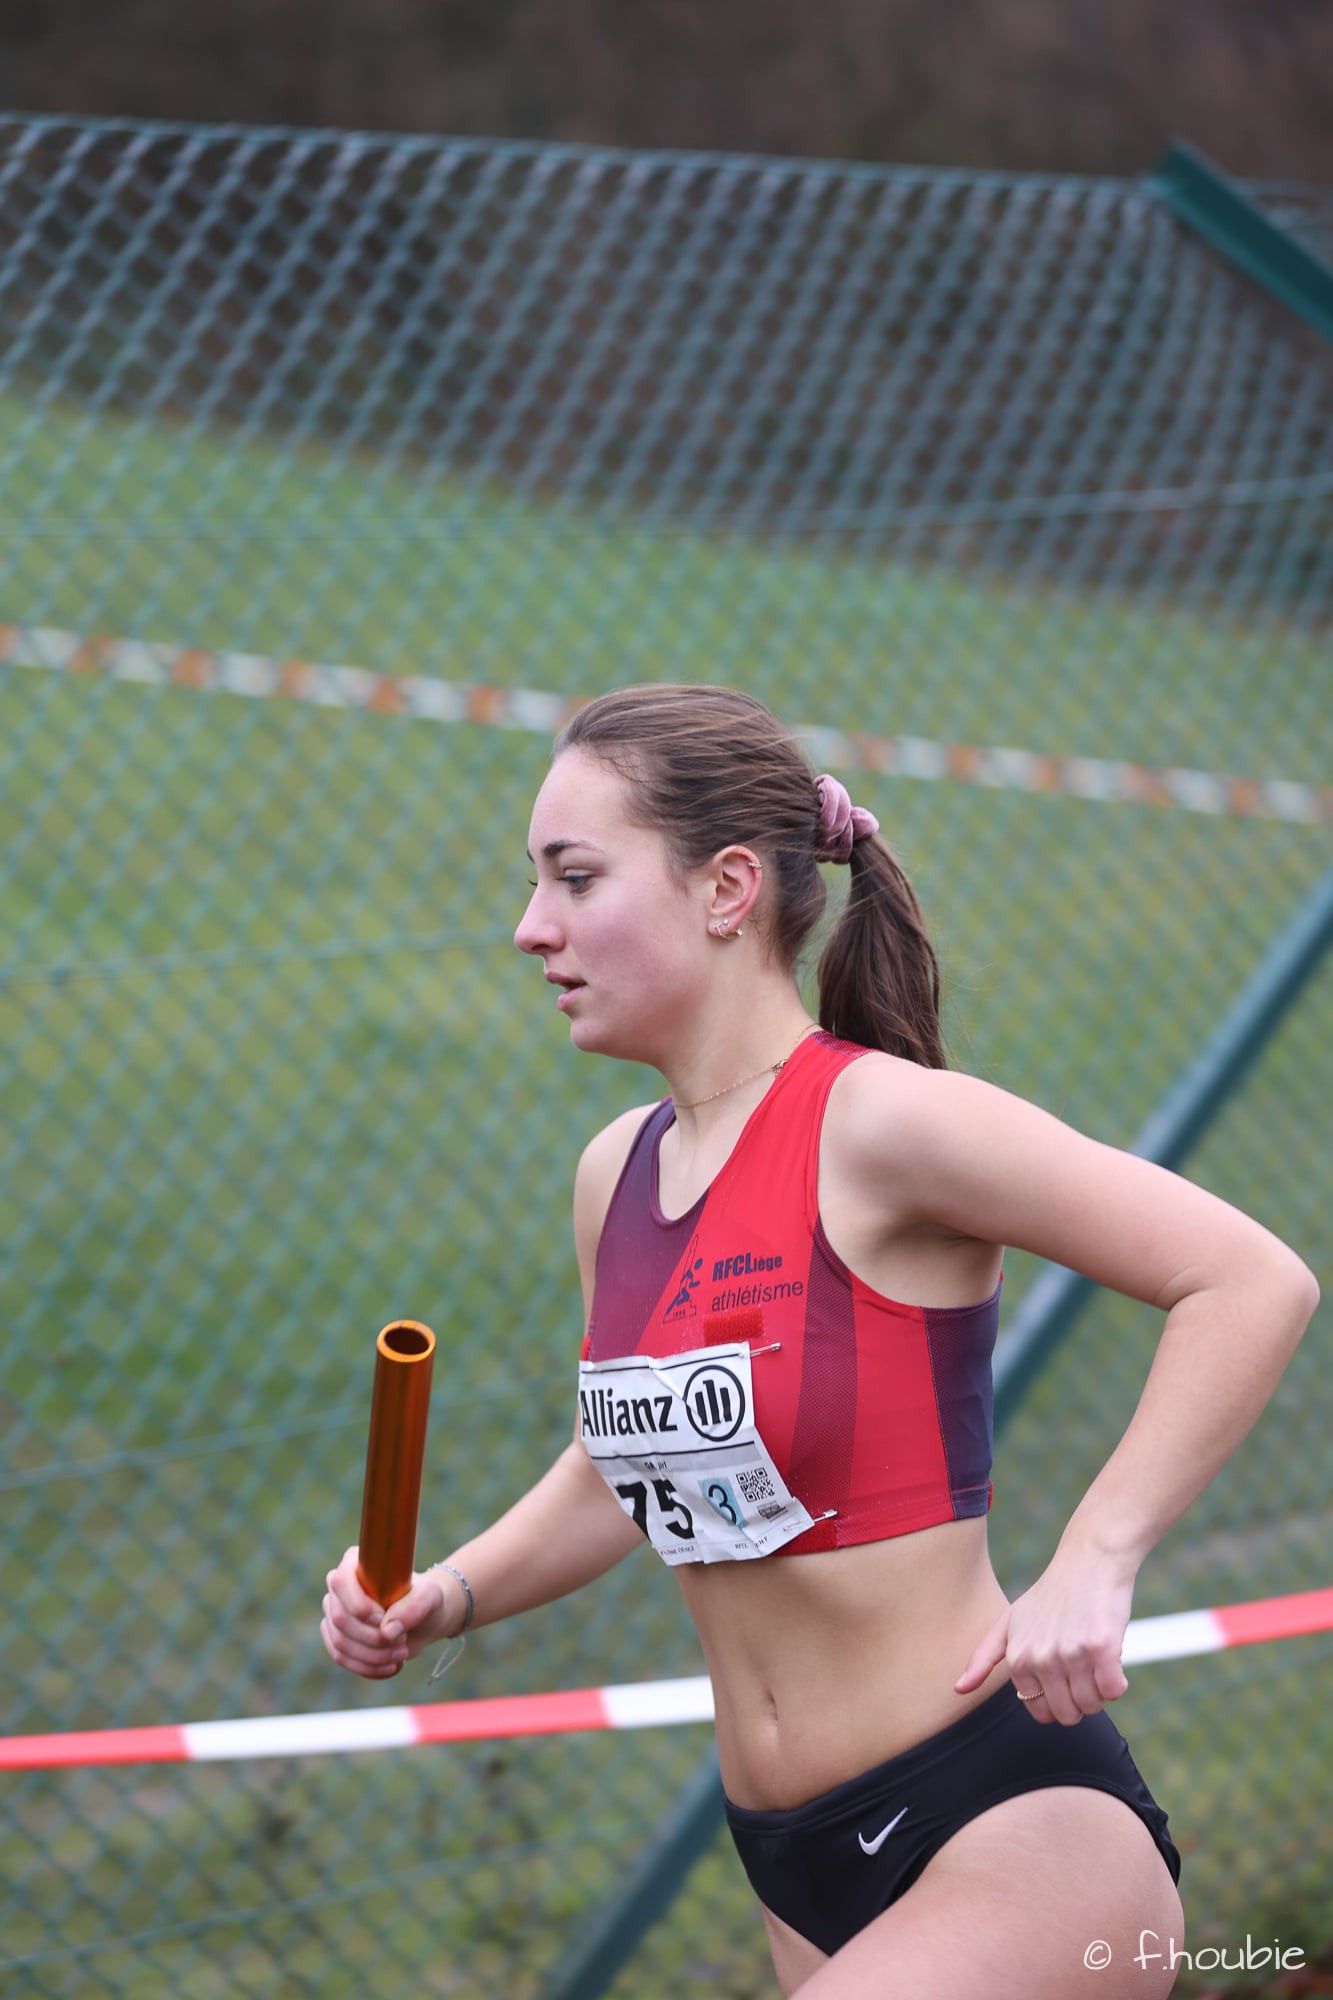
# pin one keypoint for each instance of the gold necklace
(767, 1070)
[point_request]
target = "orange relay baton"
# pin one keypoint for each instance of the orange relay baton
(395, 1454)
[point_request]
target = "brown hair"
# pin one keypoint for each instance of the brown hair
(708, 767)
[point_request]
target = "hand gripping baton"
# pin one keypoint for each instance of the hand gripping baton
(395, 1454)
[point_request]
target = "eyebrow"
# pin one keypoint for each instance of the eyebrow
(553, 848)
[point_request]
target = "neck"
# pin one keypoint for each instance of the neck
(733, 1071)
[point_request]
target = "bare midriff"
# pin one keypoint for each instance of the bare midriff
(825, 1665)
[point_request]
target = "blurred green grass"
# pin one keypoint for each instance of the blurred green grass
(274, 1075)
(199, 537)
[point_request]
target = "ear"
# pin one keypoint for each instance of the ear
(734, 881)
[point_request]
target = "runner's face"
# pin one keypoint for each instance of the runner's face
(622, 941)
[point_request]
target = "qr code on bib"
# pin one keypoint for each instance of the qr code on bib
(756, 1485)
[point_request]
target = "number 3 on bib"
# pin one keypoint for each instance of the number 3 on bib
(723, 1501)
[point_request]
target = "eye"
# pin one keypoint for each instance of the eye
(575, 883)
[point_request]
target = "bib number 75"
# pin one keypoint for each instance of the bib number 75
(676, 1516)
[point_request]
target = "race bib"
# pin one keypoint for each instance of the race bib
(675, 1440)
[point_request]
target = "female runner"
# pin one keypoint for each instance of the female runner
(791, 1268)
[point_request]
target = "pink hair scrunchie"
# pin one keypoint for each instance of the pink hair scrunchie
(841, 824)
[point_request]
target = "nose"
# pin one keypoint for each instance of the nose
(536, 932)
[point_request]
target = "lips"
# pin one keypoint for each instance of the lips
(567, 987)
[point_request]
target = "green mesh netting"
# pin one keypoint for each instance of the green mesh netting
(332, 469)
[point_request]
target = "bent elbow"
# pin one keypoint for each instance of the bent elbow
(1309, 1290)
(1301, 1288)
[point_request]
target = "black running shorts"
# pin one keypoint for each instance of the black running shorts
(830, 1866)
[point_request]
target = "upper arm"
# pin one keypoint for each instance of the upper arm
(595, 1178)
(969, 1157)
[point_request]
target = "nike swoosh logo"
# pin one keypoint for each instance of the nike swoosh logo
(873, 1846)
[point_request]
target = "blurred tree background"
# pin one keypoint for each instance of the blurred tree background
(1068, 86)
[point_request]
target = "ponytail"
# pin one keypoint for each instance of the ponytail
(879, 978)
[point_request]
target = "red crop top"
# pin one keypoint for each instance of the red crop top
(878, 1415)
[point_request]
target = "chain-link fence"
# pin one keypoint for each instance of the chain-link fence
(1014, 495)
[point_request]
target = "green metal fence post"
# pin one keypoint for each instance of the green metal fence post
(656, 1879)
(1198, 194)
(1054, 1301)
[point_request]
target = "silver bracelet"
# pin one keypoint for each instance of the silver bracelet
(470, 1613)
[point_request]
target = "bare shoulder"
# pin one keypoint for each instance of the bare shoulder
(931, 1129)
(882, 1106)
(891, 1130)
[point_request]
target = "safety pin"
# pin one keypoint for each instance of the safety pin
(772, 1348)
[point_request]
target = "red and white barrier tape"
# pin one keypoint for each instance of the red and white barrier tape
(156, 664)
(637, 1705)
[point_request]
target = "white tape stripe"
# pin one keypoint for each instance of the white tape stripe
(300, 1735)
(1007, 770)
(1175, 1636)
(1092, 778)
(644, 1703)
(541, 712)
(919, 757)
(1197, 791)
(434, 701)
